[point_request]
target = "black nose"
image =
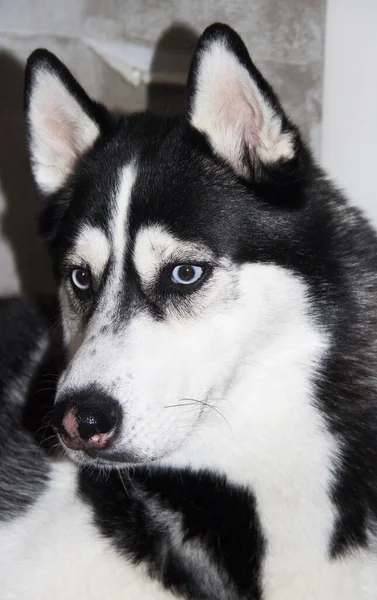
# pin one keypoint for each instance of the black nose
(91, 420)
(87, 419)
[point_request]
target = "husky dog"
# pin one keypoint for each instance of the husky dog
(217, 390)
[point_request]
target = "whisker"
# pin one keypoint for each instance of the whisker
(193, 401)
(45, 389)
(213, 408)
(123, 484)
(54, 375)
(43, 440)
(50, 437)
(43, 427)
(131, 475)
(179, 405)
(54, 448)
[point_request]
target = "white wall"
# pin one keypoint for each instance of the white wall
(349, 129)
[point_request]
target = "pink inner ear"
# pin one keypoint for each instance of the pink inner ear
(60, 130)
(232, 110)
(253, 123)
(244, 122)
(61, 140)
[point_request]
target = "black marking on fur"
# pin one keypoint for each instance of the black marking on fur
(171, 519)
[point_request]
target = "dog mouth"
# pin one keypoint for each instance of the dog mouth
(97, 441)
(84, 455)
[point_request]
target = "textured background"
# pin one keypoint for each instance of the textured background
(285, 40)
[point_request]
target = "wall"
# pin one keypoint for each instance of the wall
(350, 99)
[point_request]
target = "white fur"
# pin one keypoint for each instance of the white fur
(91, 247)
(120, 219)
(170, 349)
(230, 109)
(56, 551)
(236, 318)
(155, 247)
(71, 320)
(60, 130)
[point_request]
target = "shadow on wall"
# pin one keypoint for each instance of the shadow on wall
(172, 56)
(18, 225)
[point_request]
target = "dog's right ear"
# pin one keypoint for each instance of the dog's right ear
(62, 121)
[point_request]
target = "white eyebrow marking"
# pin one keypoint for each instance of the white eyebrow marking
(155, 247)
(91, 247)
(119, 228)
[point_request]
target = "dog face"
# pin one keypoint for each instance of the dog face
(177, 245)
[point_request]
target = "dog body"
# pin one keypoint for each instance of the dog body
(80, 563)
(218, 311)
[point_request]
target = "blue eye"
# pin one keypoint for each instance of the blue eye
(186, 274)
(80, 279)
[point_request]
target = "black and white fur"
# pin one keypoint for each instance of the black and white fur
(248, 399)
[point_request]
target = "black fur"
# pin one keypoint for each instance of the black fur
(141, 512)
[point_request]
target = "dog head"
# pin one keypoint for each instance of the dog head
(171, 240)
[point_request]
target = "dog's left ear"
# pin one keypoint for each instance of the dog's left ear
(231, 103)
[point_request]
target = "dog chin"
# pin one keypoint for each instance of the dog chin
(108, 459)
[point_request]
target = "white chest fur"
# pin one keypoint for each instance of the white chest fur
(54, 551)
